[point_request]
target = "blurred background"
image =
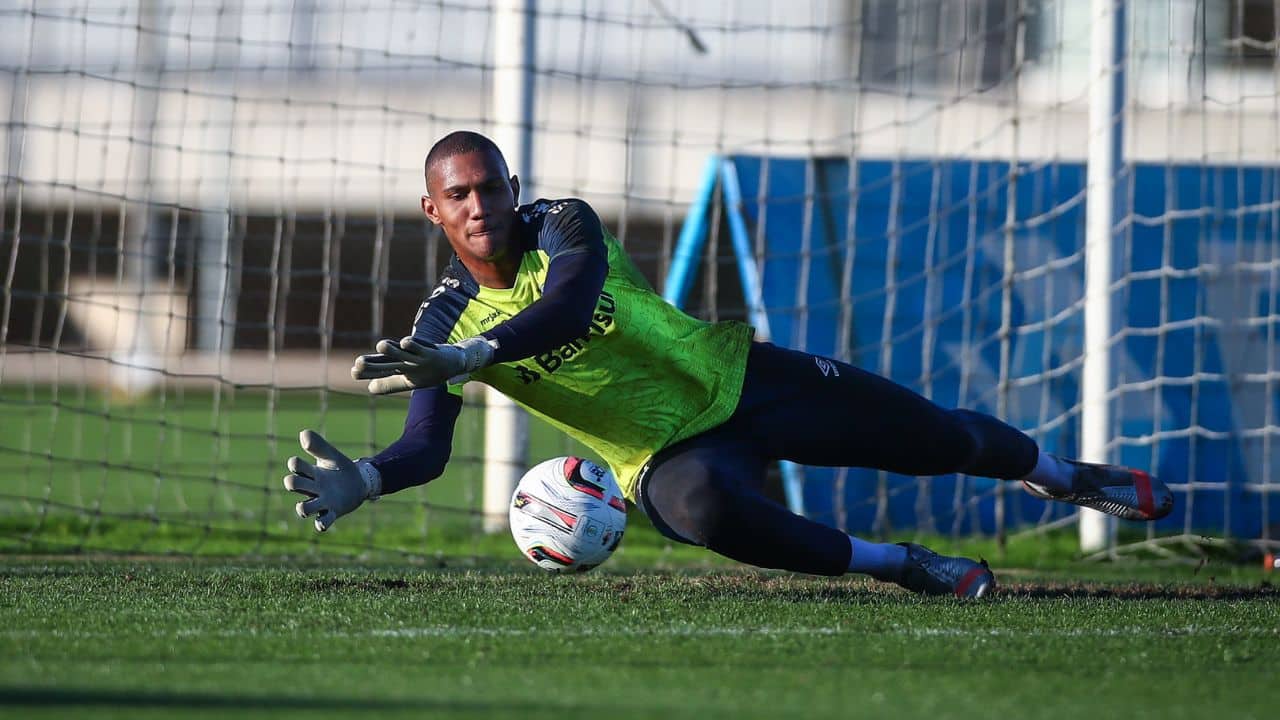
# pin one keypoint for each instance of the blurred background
(210, 206)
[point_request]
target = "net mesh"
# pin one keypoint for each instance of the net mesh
(210, 206)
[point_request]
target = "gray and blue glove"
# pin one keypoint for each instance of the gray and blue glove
(413, 364)
(334, 486)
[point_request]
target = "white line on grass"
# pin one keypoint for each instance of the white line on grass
(452, 631)
(694, 631)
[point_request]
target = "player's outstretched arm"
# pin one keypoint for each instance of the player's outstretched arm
(412, 364)
(334, 486)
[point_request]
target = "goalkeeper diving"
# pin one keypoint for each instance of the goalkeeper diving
(540, 302)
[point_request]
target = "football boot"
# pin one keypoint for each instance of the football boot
(929, 573)
(1114, 490)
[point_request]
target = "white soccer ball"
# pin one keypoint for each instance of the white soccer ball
(567, 514)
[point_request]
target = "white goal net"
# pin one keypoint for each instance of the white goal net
(210, 206)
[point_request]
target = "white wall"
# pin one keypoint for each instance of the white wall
(285, 107)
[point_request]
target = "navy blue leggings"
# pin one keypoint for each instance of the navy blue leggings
(814, 411)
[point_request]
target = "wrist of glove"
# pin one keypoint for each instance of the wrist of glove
(334, 485)
(372, 479)
(477, 352)
(412, 364)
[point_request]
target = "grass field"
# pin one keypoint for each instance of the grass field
(208, 638)
(150, 566)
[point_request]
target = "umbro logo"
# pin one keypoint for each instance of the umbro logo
(827, 367)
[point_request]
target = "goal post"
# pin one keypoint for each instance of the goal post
(1107, 55)
(506, 424)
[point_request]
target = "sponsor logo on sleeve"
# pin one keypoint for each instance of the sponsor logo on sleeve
(437, 292)
(542, 207)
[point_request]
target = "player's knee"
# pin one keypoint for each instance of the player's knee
(708, 512)
(965, 444)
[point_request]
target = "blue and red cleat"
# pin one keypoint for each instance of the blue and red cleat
(1114, 490)
(929, 573)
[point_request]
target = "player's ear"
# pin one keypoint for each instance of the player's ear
(515, 189)
(430, 210)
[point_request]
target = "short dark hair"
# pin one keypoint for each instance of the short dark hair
(457, 143)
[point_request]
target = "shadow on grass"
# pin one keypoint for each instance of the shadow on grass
(1138, 591)
(753, 585)
(85, 697)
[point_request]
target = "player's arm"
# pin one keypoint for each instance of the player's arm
(422, 451)
(335, 485)
(573, 238)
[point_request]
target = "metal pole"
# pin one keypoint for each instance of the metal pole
(506, 434)
(218, 260)
(1106, 116)
(134, 345)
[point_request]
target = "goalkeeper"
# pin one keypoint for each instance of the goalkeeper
(541, 302)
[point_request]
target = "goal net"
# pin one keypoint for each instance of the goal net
(210, 207)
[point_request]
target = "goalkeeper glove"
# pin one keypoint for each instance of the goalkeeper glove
(414, 364)
(335, 485)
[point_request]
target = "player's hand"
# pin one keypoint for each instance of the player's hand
(335, 485)
(412, 364)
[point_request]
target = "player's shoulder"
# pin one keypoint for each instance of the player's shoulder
(455, 282)
(540, 211)
(445, 303)
(564, 226)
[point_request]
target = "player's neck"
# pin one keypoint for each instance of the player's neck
(500, 274)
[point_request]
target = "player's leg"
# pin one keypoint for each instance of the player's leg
(707, 491)
(818, 411)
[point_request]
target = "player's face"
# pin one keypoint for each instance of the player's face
(471, 198)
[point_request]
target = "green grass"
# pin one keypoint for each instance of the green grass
(223, 639)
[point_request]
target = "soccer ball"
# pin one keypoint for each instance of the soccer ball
(567, 514)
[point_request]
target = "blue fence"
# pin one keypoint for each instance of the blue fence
(924, 245)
